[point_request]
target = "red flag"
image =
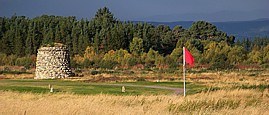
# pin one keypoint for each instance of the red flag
(189, 58)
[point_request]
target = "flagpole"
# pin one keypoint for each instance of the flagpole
(184, 69)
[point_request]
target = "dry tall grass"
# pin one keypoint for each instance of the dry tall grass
(219, 102)
(232, 79)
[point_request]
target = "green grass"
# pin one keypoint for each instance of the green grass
(76, 87)
(168, 84)
(24, 89)
(191, 87)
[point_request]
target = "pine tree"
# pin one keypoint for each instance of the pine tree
(29, 43)
(136, 46)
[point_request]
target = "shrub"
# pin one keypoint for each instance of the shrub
(141, 79)
(132, 61)
(87, 63)
(266, 65)
(74, 64)
(24, 61)
(94, 72)
(3, 57)
(171, 62)
(7, 59)
(108, 64)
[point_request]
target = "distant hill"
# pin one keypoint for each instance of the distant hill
(240, 29)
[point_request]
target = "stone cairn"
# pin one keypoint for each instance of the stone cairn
(53, 62)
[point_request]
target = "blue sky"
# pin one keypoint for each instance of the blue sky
(143, 10)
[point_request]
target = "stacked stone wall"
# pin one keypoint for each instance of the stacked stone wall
(53, 62)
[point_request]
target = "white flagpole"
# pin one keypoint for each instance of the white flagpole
(184, 69)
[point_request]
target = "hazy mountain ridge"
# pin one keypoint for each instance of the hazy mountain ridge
(218, 16)
(240, 29)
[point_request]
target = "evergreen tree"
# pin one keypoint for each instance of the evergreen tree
(29, 43)
(136, 46)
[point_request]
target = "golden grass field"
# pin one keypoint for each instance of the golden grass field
(243, 102)
(228, 100)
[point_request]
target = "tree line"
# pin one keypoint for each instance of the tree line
(105, 41)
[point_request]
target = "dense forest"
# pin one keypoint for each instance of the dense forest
(106, 42)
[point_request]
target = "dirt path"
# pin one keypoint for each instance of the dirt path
(177, 91)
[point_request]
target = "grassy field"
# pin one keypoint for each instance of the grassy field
(114, 88)
(226, 92)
